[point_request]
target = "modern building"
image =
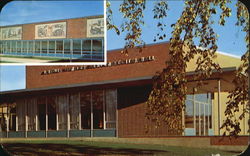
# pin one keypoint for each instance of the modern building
(81, 38)
(109, 100)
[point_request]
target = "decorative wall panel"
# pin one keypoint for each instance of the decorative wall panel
(49, 31)
(95, 27)
(11, 33)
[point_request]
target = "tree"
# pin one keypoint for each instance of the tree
(167, 98)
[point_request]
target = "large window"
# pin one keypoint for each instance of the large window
(189, 114)
(62, 109)
(77, 47)
(51, 108)
(21, 111)
(59, 46)
(74, 111)
(85, 102)
(12, 116)
(41, 106)
(44, 47)
(37, 46)
(97, 101)
(31, 113)
(19, 46)
(198, 107)
(25, 46)
(51, 47)
(67, 47)
(31, 46)
(111, 102)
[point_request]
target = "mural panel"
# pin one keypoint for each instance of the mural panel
(95, 27)
(48, 31)
(11, 33)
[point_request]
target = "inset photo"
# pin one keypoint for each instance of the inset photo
(52, 32)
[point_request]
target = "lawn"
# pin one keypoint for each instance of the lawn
(77, 147)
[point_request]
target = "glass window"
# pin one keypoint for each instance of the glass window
(66, 46)
(111, 102)
(206, 119)
(37, 46)
(59, 46)
(13, 46)
(85, 103)
(86, 45)
(51, 46)
(62, 108)
(76, 46)
(189, 114)
(19, 46)
(201, 97)
(25, 46)
(74, 111)
(12, 117)
(97, 45)
(21, 110)
(41, 106)
(51, 108)
(31, 114)
(97, 101)
(197, 119)
(8, 47)
(202, 118)
(31, 46)
(44, 47)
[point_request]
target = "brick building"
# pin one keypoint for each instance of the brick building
(109, 100)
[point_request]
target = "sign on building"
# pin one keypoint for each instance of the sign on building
(95, 27)
(49, 31)
(11, 33)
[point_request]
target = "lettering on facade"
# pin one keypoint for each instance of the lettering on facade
(11, 33)
(109, 64)
(48, 31)
(95, 27)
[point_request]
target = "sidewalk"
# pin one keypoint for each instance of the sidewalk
(22, 60)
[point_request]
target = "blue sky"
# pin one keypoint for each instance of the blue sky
(231, 38)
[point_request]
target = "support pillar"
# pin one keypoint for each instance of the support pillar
(91, 107)
(219, 108)
(46, 118)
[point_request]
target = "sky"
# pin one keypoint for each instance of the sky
(231, 39)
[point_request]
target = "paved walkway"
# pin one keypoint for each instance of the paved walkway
(22, 60)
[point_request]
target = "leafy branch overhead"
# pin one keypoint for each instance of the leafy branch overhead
(193, 35)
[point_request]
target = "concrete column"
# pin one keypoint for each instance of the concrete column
(7, 121)
(219, 108)
(68, 116)
(91, 107)
(104, 110)
(80, 117)
(194, 111)
(46, 118)
(26, 119)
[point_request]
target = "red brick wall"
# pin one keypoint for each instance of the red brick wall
(76, 28)
(34, 79)
(133, 123)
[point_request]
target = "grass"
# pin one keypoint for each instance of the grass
(78, 147)
(7, 62)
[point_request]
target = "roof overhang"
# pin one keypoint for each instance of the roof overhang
(210, 85)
